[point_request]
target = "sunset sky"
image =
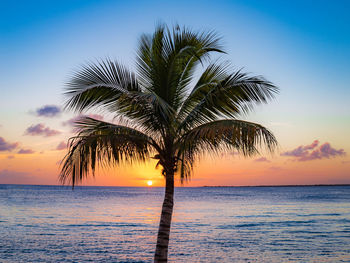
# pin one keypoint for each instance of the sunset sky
(302, 47)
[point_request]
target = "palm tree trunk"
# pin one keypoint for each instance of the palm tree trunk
(161, 254)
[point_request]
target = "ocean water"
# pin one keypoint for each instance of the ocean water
(219, 224)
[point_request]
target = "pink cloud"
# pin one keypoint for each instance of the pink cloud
(304, 153)
(312, 145)
(297, 152)
(301, 151)
(61, 146)
(40, 129)
(6, 146)
(324, 151)
(26, 151)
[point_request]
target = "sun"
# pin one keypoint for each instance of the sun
(149, 183)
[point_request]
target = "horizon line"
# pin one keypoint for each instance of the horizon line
(203, 186)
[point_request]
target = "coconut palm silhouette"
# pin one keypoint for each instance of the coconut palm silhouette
(177, 106)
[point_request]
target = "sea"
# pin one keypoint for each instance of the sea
(210, 224)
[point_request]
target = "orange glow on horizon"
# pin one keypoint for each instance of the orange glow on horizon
(43, 168)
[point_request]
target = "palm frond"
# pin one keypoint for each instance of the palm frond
(222, 135)
(224, 96)
(146, 108)
(211, 76)
(99, 84)
(104, 144)
(166, 60)
(112, 87)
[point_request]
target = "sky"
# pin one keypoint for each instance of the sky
(303, 47)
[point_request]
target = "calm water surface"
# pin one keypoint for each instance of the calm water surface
(119, 224)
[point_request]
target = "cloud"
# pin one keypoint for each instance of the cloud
(61, 146)
(324, 151)
(26, 151)
(6, 146)
(314, 152)
(72, 121)
(10, 157)
(40, 129)
(262, 160)
(301, 151)
(48, 111)
(312, 145)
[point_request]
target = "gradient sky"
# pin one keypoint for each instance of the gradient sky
(301, 46)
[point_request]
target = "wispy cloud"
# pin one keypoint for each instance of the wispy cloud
(61, 146)
(48, 111)
(26, 151)
(7, 146)
(71, 121)
(41, 129)
(262, 160)
(314, 152)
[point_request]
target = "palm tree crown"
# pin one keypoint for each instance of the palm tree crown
(166, 111)
(178, 105)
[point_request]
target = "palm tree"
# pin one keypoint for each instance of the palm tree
(178, 106)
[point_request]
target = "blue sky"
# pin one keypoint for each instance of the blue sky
(301, 46)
